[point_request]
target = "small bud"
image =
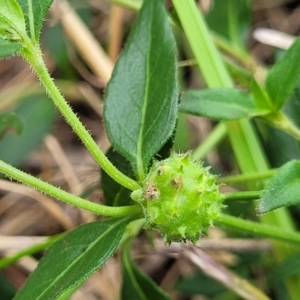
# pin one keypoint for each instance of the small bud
(180, 198)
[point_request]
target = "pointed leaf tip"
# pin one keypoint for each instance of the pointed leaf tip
(282, 79)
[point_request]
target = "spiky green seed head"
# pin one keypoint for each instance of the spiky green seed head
(180, 198)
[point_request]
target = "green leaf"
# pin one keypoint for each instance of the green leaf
(218, 103)
(261, 98)
(38, 115)
(9, 121)
(7, 48)
(34, 11)
(137, 285)
(141, 103)
(73, 259)
(292, 107)
(114, 193)
(283, 189)
(12, 23)
(282, 79)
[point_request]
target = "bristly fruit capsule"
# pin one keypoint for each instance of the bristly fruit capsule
(180, 198)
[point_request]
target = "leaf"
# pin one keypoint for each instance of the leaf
(8, 49)
(141, 102)
(38, 115)
(261, 98)
(34, 12)
(9, 121)
(292, 107)
(73, 259)
(282, 79)
(11, 20)
(218, 103)
(137, 285)
(283, 189)
(114, 193)
(287, 147)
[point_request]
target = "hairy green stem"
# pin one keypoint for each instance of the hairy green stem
(248, 195)
(33, 55)
(260, 229)
(283, 122)
(247, 177)
(57, 193)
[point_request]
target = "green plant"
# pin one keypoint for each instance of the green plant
(176, 194)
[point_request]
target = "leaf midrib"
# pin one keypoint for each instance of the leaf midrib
(140, 165)
(248, 110)
(79, 257)
(243, 107)
(31, 20)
